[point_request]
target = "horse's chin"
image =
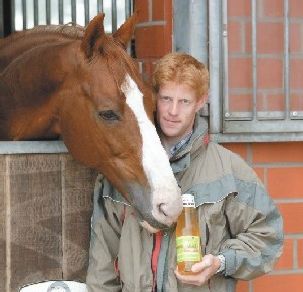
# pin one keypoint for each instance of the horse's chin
(148, 227)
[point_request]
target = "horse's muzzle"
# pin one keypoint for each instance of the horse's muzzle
(158, 209)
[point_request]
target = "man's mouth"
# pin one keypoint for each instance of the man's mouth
(172, 122)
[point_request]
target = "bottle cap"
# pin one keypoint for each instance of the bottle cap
(188, 200)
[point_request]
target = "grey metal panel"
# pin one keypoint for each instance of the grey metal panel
(256, 137)
(1, 19)
(254, 55)
(263, 115)
(286, 59)
(36, 12)
(128, 8)
(100, 7)
(60, 7)
(48, 12)
(263, 126)
(86, 11)
(24, 13)
(215, 65)
(114, 15)
(225, 81)
(74, 11)
(191, 29)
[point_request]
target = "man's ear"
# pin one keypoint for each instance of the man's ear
(201, 102)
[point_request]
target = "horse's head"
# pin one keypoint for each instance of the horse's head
(106, 121)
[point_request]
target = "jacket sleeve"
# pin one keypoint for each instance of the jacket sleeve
(255, 225)
(104, 243)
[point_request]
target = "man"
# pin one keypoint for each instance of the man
(241, 228)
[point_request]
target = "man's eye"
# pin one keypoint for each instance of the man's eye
(108, 115)
(185, 101)
(165, 98)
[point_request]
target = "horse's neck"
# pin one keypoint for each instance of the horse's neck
(31, 107)
(15, 45)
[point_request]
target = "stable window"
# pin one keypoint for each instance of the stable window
(256, 59)
(29, 13)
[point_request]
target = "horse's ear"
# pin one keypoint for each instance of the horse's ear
(126, 30)
(93, 35)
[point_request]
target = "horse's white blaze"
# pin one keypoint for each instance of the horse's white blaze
(154, 159)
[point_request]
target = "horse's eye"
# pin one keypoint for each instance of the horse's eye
(108, 115)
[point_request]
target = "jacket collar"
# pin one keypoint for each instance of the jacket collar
(199, 138)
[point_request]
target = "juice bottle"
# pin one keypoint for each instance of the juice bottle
(188, 236)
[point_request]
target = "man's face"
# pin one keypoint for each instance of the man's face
(176, 108)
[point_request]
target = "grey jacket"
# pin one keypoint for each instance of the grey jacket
(237, 219)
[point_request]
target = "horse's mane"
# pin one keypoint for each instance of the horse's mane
(65, 31)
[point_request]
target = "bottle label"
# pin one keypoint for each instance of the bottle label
(188, 249)
(188, 200)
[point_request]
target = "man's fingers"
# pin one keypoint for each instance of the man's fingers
(189, 279)
(198, 267)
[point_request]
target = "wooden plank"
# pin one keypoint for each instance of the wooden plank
(77, 188)
(2, 224)
(36, 225)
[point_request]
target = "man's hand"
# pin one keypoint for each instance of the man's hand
(203, 270)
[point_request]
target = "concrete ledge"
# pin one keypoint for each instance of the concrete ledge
(23, 147)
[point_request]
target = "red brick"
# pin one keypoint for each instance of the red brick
(270, 73)
(150, 42)
(158, 9)
(292, 214)
(286, 259)
(239, 8)
(270, 38)
(277, 152)
(285, 182)
(272, 8)
(296, 38)
(296, 76)
(168, 16)
(240, 73)
(300, 253)
(142, 7)
(248, 33)
(239, 148)
(279, 283)
(242, 286)
(296, 102)
(270, 102)
(296, 8)
(234, 36)
(240, 103)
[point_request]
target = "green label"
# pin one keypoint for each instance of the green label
(188, 249)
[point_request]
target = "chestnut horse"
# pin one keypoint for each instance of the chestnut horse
(85, 88)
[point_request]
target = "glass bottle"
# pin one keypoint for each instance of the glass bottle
(188, 245)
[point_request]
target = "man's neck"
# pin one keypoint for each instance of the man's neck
(169, 142)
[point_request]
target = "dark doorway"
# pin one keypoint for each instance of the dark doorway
(5, 18)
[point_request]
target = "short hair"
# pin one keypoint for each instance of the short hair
(181, 68)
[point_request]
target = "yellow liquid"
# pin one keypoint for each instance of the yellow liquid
(187, 225)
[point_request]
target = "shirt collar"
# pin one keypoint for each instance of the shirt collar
(173, 150)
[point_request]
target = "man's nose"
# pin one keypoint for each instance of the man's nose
(173, 109)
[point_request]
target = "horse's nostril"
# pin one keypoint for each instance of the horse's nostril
(161, 208)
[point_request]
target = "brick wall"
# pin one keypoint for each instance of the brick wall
(153, 33)
(279, 165)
